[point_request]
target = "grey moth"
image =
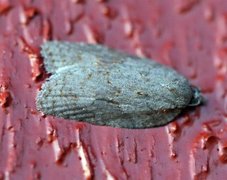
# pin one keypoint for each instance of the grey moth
(101, 86)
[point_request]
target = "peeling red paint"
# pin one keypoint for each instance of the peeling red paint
(189, 36)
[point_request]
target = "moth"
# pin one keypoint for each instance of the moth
(101, 86)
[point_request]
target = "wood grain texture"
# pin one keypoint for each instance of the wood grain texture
(187, 36)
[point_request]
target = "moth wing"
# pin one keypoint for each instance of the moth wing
(58, 54)
(121, 95)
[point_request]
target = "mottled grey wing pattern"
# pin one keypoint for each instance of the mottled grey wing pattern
(61, 54)
(101, 86)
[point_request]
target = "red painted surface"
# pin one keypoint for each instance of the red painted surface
(190, 36)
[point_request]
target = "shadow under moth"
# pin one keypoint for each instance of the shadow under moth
(96, 84)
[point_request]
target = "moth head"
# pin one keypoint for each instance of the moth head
(197, 98)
